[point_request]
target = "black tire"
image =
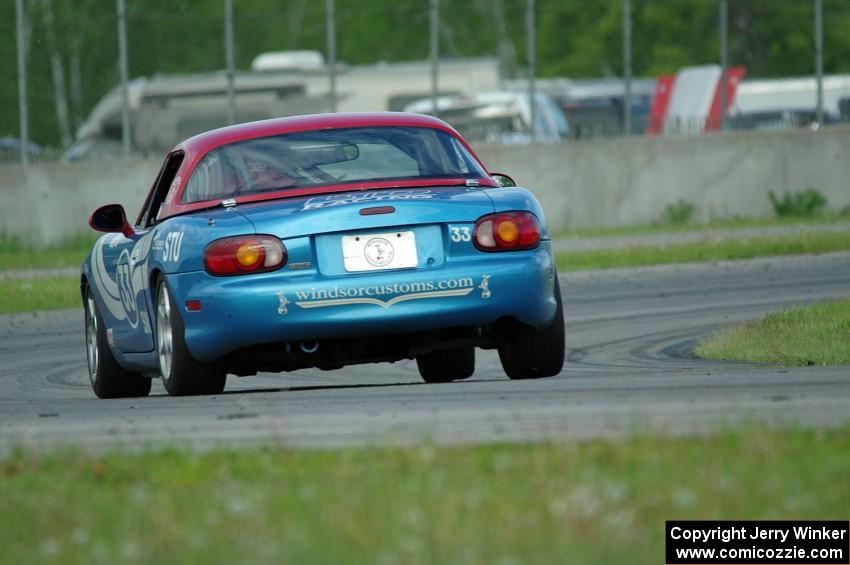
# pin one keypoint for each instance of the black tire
(108, 378)
(533, 354)
(181, 374)
(447, 366)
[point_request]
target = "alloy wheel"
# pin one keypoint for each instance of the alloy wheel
(164, 337)
(91, 338)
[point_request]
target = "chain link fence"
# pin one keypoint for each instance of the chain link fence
(177, 62)
(70, 65)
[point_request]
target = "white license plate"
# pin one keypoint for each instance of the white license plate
(379, 251)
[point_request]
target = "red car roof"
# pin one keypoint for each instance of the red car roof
(204, 142)
(196, 147)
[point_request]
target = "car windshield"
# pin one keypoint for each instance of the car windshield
(327, 157)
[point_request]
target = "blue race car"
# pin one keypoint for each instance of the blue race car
(320, 241)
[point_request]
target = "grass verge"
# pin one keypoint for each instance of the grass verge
(733, 223)
(704, 251)
(62, 292)
(33, 295)
(16, 255)
(808, 335)
(593, 502)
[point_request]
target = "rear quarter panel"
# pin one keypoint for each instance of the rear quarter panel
(516, 198)
(122, 271)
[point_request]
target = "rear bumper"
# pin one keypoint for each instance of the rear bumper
(287, 306)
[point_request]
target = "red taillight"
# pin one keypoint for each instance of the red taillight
(244, 254)
(507, 231)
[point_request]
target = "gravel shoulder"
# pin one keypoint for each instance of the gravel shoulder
(29, 274)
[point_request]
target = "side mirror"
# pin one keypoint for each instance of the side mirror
(111, 218)
(503, 180)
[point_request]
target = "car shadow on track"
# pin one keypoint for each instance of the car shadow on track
(307, 388)
(331, 387)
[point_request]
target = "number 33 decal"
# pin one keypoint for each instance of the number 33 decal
(461, 234)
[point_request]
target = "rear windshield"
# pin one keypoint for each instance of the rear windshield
(326, 157)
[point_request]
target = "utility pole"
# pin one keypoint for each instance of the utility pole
(531, 56)
(331, 48)
(819, 57)
(124, 70)
(22, 82)
(435, 53)
(230, 62)
(724, 61)
(627, 67)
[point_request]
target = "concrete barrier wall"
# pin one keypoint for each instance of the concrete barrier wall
(615, 182)
(45, 203)
(605, 182)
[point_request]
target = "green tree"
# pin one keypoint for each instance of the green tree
(576, 38)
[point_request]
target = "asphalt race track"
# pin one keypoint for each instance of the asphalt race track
(629, 334)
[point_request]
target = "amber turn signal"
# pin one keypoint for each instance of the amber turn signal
(244, 254)
(507, 231)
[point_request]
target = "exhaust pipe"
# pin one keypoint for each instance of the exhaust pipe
(309, 346)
